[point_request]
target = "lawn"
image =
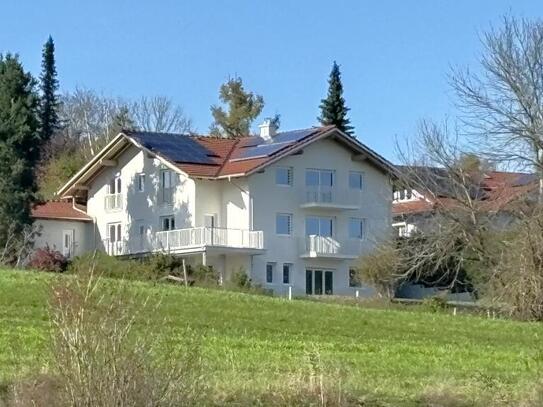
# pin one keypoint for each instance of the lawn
(250, 342)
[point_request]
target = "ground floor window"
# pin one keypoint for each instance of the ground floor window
(269, 272)
(286, 273)
(318, 282)
(354, 279)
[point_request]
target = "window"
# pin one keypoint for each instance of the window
(167, 184)
(283, 176)
(141, 231)
(114, 232)
(319, 226)
(356, 228)
(283, 224)
(354, 280)
(319, 178)
(356, 180)
(286, 273)
(167, 223)
(115, 185)
(141, 182)
(269, 272)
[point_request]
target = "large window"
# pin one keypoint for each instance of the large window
(167, 184)
(319, 226)
(167, 223)
(270, 268)
(283, 176)
(356, 180)
(115, 185)
(286, 273)
(357, 228)
(283, 224)
(319, 178)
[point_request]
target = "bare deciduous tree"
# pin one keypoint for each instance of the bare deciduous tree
(503, 105)
(158, 113)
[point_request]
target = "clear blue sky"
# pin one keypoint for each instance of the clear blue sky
(394, 55)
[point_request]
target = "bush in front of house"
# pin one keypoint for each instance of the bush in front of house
(47, 259)
(113, 267)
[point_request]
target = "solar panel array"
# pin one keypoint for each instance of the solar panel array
(176, 147)
(279, 142)
(525, 179)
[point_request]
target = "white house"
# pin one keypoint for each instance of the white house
(292, 209)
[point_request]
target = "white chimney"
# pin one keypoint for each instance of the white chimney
(267, 129)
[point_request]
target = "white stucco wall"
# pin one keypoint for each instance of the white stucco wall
(139, 208)
(269, 199)
(52, 234)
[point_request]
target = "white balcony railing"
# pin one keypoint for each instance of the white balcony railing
(331, 197)
(207, 236)
(113, 202)
(325, 246)
(116, 248)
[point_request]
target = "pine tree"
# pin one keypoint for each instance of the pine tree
(333, 109)
(243, 108)
(122, 121)
(19, 145)
(49, 98)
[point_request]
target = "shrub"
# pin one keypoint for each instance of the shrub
(109, 266)
(46, 259)
(102, 360)
(204, 276)
(240, 279)
(380, 269)
(434, 304)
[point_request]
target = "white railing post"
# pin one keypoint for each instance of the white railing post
(290, 292)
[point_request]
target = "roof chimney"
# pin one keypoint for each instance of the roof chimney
(267, 129)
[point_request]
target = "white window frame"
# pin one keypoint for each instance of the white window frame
(321, 218)
(362, 180)
(170, 219)
(289, 265)
(289, 215)
(171, 178)
(140, 180)
(273, 266)
(321, 171)
(361, 221)
(289, 176)
(117, 231)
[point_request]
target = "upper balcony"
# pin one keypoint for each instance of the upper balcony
(326, 247)
(326, 197)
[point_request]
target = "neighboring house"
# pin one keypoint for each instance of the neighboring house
(63, 227)
(291, 209)
(413, 210)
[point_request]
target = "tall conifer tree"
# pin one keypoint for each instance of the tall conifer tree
(333, 108)
(19, 145)
(49, 98)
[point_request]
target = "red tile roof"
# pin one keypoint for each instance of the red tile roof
(502, 188)
(59, 210)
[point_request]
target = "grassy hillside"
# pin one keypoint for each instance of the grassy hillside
(250, 342)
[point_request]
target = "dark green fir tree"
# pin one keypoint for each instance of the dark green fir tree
(333, 109)
(19, 146)
(49, 121)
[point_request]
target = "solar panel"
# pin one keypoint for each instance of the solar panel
(525, 179)
(176, 147)
(292, 136)
(279, 142)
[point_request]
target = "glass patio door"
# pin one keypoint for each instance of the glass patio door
(319, 282)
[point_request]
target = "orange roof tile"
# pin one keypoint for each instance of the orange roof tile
(59, 210)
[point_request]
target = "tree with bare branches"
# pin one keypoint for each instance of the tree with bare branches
(503, 105)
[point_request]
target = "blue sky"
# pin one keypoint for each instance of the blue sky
(394, 55)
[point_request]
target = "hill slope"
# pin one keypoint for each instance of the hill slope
(251, 341)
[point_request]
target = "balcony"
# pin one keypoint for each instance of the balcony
(329, 248)
(325, 197)
(202, 238)
(113, 202)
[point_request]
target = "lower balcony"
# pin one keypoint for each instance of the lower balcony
(326, 247)
(191, 240)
